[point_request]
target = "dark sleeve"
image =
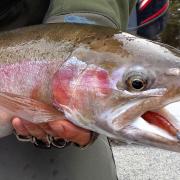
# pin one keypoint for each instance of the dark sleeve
(114, 13)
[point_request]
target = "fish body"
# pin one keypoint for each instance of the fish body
(98, 78)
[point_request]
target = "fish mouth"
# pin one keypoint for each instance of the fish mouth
(159, 128)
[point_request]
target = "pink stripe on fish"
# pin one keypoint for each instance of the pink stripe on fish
(24, 78)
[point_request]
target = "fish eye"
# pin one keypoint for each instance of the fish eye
(136, 83)
(137, 78)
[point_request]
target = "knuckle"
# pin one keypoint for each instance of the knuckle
(44, 127)
(27, 124)
(69, 135)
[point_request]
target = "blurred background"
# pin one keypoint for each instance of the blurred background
(171, 34)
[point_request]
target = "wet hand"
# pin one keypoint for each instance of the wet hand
(60, 129)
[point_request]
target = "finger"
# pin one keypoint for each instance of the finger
(45, 127)
(67, 130)
(19, 127)
(34, 130)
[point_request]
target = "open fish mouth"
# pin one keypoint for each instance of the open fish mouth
(157, 128)
(163, 121)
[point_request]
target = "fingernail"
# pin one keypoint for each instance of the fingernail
(16, 120)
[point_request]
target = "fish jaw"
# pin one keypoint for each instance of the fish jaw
(162, 133)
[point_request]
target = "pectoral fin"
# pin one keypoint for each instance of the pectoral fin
(28, 109)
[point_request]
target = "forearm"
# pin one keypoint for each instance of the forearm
(112, 13)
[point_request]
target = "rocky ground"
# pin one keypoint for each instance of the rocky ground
(144, 163)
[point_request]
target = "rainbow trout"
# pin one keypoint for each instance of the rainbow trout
(98, 78)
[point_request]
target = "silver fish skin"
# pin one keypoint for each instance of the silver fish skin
(98, 78)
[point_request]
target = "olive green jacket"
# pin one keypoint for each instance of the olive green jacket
(112, 13)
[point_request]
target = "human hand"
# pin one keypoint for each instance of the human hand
(60, 129)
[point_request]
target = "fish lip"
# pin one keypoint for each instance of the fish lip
(132, 135)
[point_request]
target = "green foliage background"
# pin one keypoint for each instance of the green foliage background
(171, 34)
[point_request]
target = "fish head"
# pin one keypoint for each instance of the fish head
(105, 85)
(156, 67)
